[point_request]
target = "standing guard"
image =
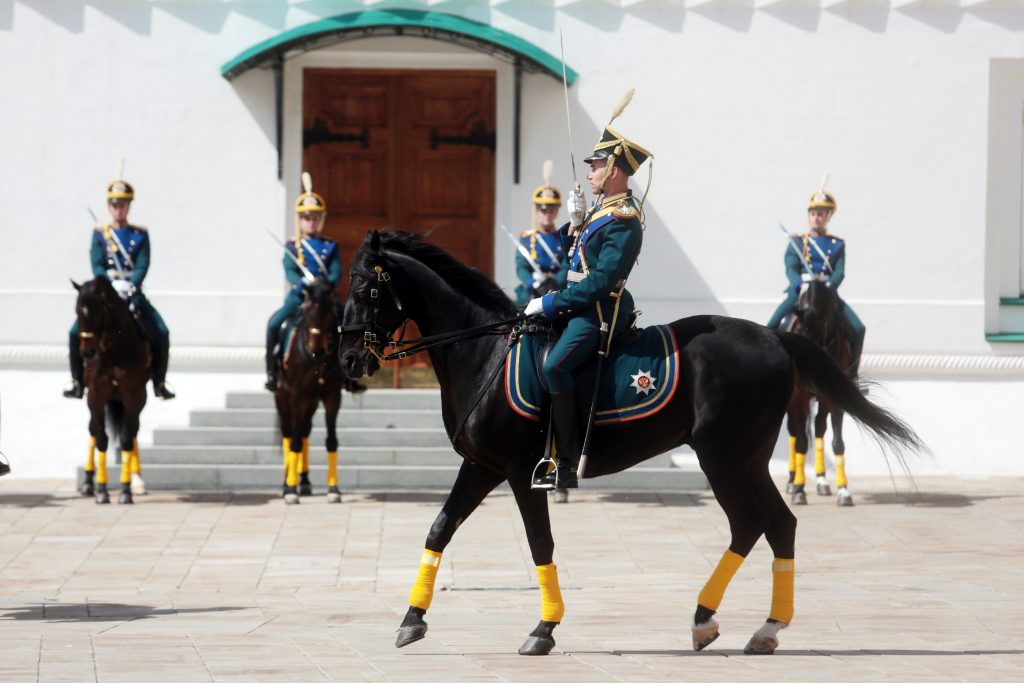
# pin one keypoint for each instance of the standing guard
(540, 263)
(825, 256)
(308, 255)
(120, 252)
(602, 245)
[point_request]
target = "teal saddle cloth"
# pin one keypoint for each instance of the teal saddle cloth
(638, 379)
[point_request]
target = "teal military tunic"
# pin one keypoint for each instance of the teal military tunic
(315, 251)
(608, 246)
(552, 265)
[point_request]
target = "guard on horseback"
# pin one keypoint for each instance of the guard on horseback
(540, 261)
(307, 256)
(602, 245)
(121, 253)
(825, 259)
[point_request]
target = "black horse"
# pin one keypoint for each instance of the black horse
(820, 320)
(310, 374)
(117, 361)
(737, 378)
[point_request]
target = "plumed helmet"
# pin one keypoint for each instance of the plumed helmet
(822, 199)
(120, 189)
(628, 155)
(309, 201)
(547, 194)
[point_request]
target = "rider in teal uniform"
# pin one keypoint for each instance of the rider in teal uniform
(309, 255)
(602, 245)
(825, 255)
(545, 269)
(120, 253)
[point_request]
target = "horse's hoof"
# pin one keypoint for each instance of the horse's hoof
(790, 487)
(333, 497)
(704, 634)
(824, 489)
(87, 490)
(410, 634)
(844, 499)
(561, 496)
(102, 498)
(536, 646)
(125, 498)
(799, 498)
(765, 639)
(291, 498)
(138, 485)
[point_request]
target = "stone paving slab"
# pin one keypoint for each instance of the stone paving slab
(239, 587)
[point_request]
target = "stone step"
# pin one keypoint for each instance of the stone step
(269, 436)
(384, 477)
(372, 399)
(409, 456)
(347, 417)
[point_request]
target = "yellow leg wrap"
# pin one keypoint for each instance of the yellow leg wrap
(304, 461)
(783, 578)
(423, 590)
(284, 453)
(551, 606)
(101, 469)
(819, 457)
(792, 454)
(291, 477)
(714, 590)
(332, 468)
(126, 467)
(136, 467)
(840, 469)
(801, 462)
(90, 459)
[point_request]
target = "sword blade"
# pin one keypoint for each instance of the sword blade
(568, 119)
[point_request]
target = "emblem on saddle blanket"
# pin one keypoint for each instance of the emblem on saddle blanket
(640, 377)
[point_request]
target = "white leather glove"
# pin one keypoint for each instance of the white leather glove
(577, 207)
(124, 288)
(535, 307)
(539, 277)
(307, 280)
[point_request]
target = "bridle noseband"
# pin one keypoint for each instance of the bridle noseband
(373, 332)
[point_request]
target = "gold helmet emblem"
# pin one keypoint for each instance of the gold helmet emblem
(822, 199)
(120, 189)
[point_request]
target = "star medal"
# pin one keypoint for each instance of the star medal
(643, 382)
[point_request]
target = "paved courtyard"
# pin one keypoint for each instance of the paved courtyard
(179, 587)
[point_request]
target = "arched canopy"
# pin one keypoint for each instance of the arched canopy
(435, 25)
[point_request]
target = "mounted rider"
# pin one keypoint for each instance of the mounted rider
(120, 252)
(602, 246)
(540, 262)
(825, 256)
(308, 255)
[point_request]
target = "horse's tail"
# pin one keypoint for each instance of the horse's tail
(115, 423)
(819, 374)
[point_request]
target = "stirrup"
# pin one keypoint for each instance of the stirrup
(544, 479)
(76, 390)
(161, 391)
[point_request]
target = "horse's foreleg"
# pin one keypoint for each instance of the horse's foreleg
(820, 425)
(305, 485)
(470, 488)
(99, 433)
(129, 455)
(797, 425)
(533, 506)
(331, 406)
(88, 486)
(138, 484)
(843, 497)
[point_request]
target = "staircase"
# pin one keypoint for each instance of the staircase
(390, 439)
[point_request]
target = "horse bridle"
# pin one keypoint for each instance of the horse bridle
(373, 332)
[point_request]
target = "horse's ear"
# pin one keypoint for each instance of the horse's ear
(78, 287)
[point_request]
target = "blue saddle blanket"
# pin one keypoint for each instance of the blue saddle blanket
(639, 378)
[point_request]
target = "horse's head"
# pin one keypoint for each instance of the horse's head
(372, 311)
(319, 319)
(817, 311)
(94, 309)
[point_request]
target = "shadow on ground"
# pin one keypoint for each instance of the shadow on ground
(653, 499)
(81, 612)
(36, 500)
(805, 653)
(929, 500)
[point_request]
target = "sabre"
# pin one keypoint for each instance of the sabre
(568, 119)
(799, 253)
(521, 248)
(303, 268)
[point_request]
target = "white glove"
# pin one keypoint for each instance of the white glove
(124, 288)
(534, 307)
(539, 277)
(577, 207)
(307, 280)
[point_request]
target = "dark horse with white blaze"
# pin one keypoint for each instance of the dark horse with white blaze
(117, 366)
(309, 374)
(819, 319)
(737, 378)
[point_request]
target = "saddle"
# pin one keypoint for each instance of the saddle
(639, 378)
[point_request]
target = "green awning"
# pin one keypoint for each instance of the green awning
(435, 25)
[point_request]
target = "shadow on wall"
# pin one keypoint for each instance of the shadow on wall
(255, 88)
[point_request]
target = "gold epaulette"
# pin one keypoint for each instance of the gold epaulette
(624, 211)
(526, 233)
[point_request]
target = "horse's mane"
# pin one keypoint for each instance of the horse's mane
(476, 286)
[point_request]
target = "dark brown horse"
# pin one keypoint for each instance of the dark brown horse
(819, 320)
(117, 360)
(736, 380)
(310, 374)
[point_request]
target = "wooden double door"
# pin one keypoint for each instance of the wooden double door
(408, 150)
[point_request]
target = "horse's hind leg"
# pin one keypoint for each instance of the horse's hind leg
(138, 483)
(533, 506)
(470, 488)
(820, 425)
(331, 406)
(305, 485)
(88, 487)
(796, 422)
(843, 497)
(99, 433)
(129, 455)
(781, 536)
(731, 485)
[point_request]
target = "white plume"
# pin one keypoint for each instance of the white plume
(621, 105)
(307, 182)
(549, 169)
(824, 181)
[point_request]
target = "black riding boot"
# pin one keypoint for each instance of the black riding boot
(160, 353)
(77, 389)
(271, 362)
(567, 442)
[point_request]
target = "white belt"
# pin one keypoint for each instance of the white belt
(573, 276)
